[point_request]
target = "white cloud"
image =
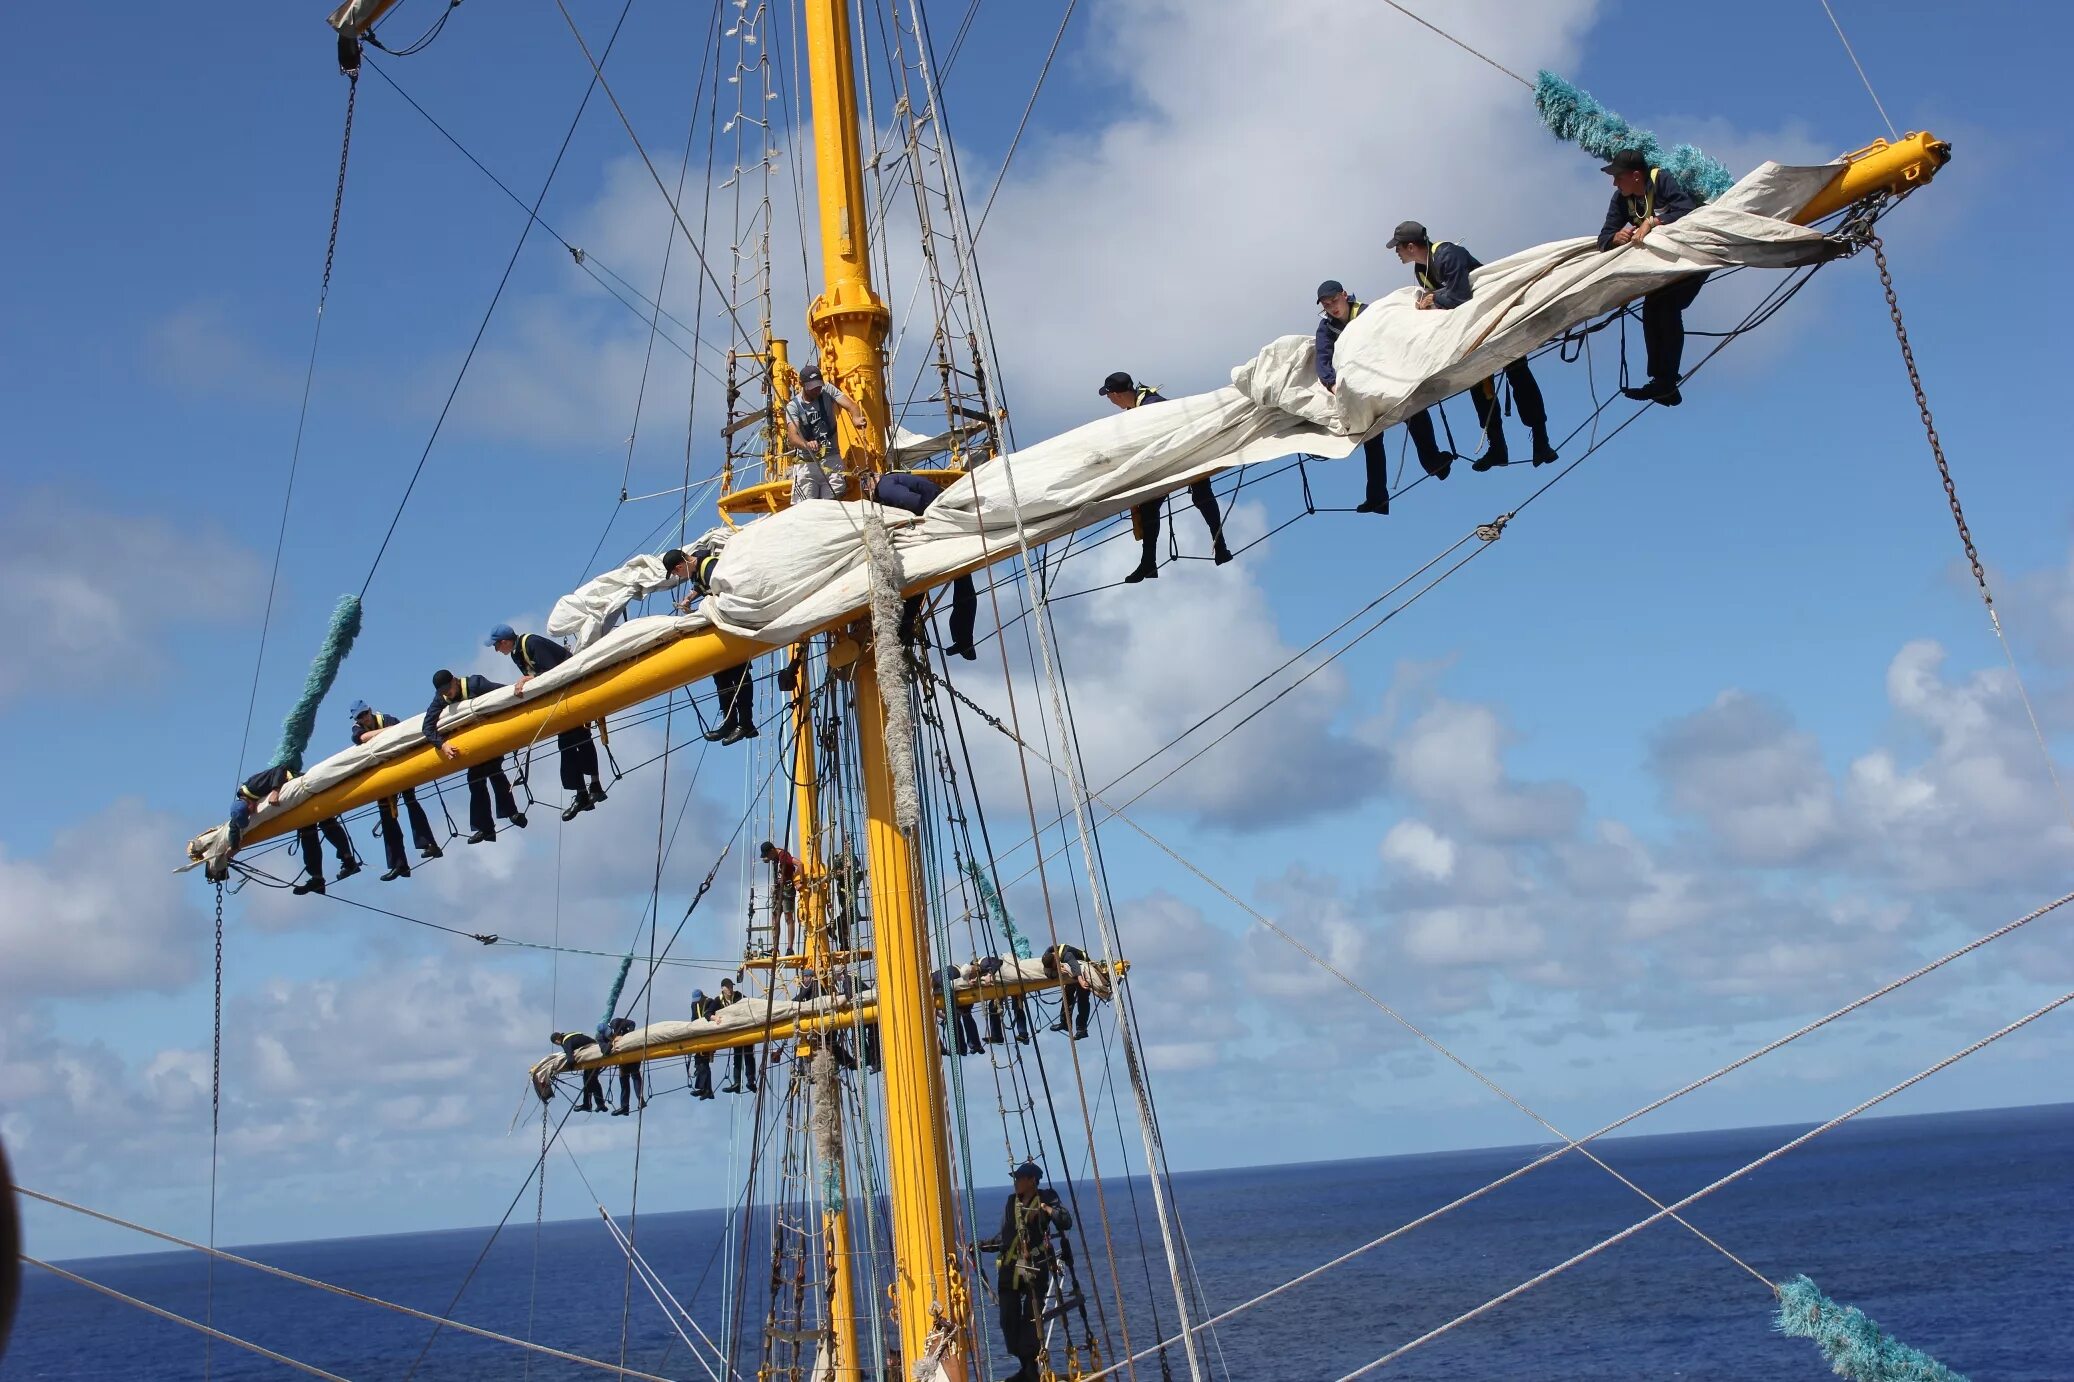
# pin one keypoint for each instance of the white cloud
(1417, 846)
(1450, 760)
(1759, 784)
(72, 625)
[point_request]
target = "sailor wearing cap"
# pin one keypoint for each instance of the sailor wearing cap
(1122, 391)
(486, 780)
(810, 426)
(733, 687)
(1645, 197)
(1340, 307)
(1028, 1257)
(1442, 269)
(366, 721)
(533, 654)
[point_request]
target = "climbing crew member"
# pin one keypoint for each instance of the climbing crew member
(265, 786)
(810, 426)
(1064, 963)
(959, 1015)
(742, 1059)
(734, 687)
(1120, 390)
(1027, 1258)
(1643, 199)
(532, 654)
(987, 970)
(1340, 307)
(629, 1072)
(368, 721)
(784, 891)
(1443, 270)
(701, 1063)
(484, 778)
(846, 875)
(900, 489)
(572, 1044)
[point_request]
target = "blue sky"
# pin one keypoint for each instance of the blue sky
(1701, 680)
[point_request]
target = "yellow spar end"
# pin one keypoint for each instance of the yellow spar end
(1879, 167)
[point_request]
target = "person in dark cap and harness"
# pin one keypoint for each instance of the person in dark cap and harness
(899, 489)
(1027, 1258)
(810, 426)
(734, 687)
(573, 1044)
(265, 786)
(533, 654)
(1643, 199)
(1442, 269)
(485, 778)
(1123, 392)
(1340, 307)
(366, 721)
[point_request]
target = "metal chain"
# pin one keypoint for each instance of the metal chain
(215, 1126)
(1915, 381)
(338, 196)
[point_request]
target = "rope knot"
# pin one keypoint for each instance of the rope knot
(1493, 530)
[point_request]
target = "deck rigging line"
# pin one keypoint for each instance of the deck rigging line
(1853, 54)
(1707, 1190)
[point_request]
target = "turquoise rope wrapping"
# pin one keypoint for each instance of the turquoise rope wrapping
(302, 721)
(1574, 115)
(1019, 947)
(612, 1002)
(1853, 1345)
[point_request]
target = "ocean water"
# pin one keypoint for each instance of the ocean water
(1951, 1230)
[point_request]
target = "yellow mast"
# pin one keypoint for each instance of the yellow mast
(849, 323)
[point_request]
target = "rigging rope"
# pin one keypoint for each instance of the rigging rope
(1480, 57)
(215, 1120)
(1951, 494)
(1853, 54)
(1707, 1190)
(525, 231)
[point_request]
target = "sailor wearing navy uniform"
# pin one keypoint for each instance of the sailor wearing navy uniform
(1339, 307)
(1645, 197)
(265, 786)
(898, 489)
(573, 1044)
(485, 778)
(1123, 392)
(734, 687)
(810, 426)
(1027, 1259)
(366, 721)
(1442, 269)
(532, 654)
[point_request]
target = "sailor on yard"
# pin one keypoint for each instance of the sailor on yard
(1339, 307)
(1123, 392)
(898, 489)
(1028, 1256)
(1643, 199)
(629, 1072)
(734, 687)
(810, 426)
(1068, 965)
(366, 721)
(742, 1060)
(265, 786)
(701, 1063)
(1442, 269)
(573, 1044)
(532, 655)
(485, 778)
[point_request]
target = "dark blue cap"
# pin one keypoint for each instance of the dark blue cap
(1330, 288)
(1030, 1169)
(358, 708)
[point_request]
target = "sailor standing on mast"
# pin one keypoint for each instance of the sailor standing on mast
(533, 654)
(810, 426)
(1443, 270)
(1340, 307)
(1122, 391)
(1025, 1265)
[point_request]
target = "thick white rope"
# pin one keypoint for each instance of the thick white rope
(891, 667)
(301, 1280)
(1705, 1191)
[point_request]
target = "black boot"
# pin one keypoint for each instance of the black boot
(431, 852)
(1439, 464)
(483, 837)
(597, 791)
(1544, 449)
(1220, 554)
(581, 802)
(347, 868)
(315, 885)
(400, 871)
(518, 818)
(1148, 570)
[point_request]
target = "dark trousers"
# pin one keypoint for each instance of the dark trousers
(964, 613)
(313, 854)
(485, 782)
(1526, 396)
(968, 1031)
(392, 831)
(630, 1081)
(1022, 1318)
(871, 1046)
(1074, 1008)
(1376, 457)
(742, 1071)
(735, 690)
(1431, 457)
(702, 1076)
(995, 1035)
(1147, 514)
(579, 757)
(1663, 327)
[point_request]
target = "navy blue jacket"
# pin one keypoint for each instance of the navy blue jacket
(897, 489)
(472, 685)
(1447, 275)
(1667, 201)
(534, 654)
(251, 792)
(381, 722)
(1328, 337)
